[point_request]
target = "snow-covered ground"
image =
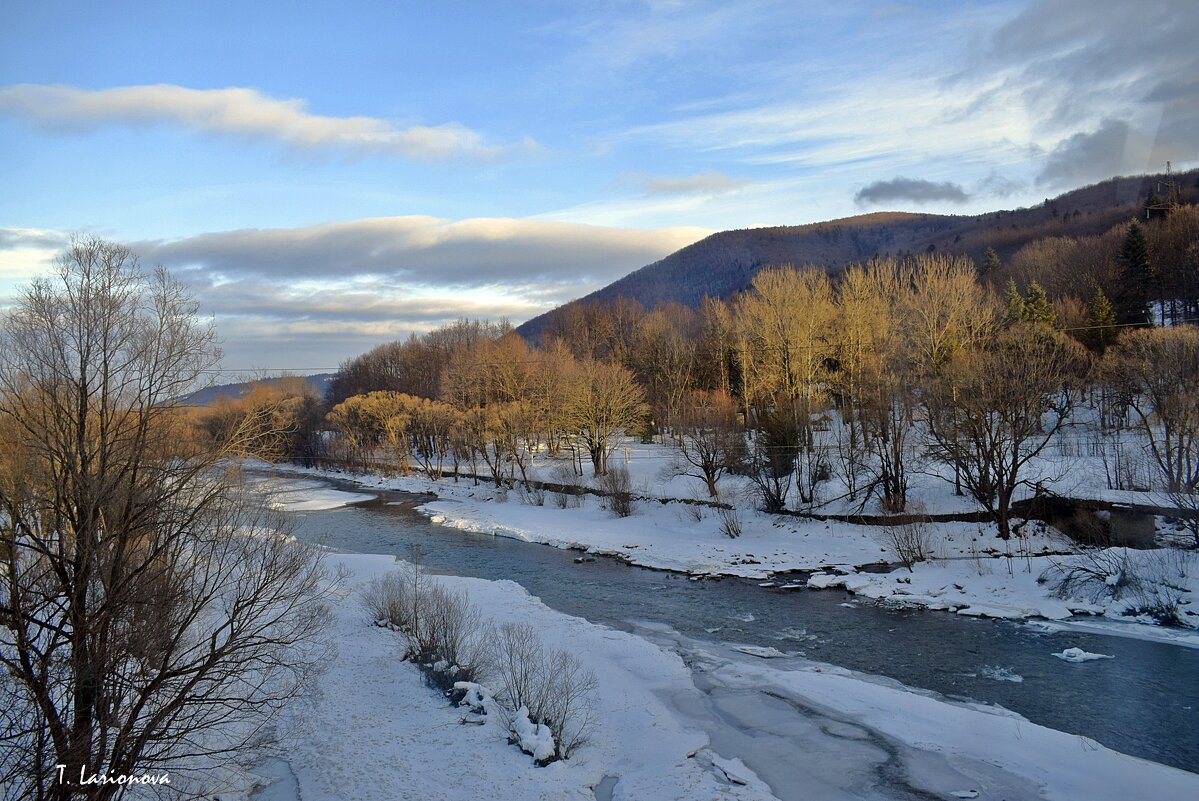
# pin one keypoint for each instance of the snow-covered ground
(304, 496)
(973, 572)
(374, 730)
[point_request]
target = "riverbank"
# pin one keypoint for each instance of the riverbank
(973, 572)
(372, 729)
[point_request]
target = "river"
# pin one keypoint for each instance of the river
(1144, 702)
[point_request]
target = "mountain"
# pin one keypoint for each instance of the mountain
(725, 263)
(210, 395)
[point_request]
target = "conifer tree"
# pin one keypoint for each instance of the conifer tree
(1013, 303)
(991, 262)
(1101, 322)
(1037, 308)
(1132, 301)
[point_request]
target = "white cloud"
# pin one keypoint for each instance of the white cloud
(24, 254)
(243, 112)
(315, 295)
(903, 121)
(709, 183)
(428, 251)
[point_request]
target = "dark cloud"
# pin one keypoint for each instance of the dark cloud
(998, 185)
(13, 238)
(1119, 77)
(332, 291)
(1085, 156)
(910, 190)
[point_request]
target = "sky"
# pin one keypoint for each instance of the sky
(327, 177)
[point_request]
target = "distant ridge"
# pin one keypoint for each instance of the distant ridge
(210, 395)
(725, 263)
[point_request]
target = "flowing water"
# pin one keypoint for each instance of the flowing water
(1143, 702)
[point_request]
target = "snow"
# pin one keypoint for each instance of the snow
(1000, 674)
(822, 581)
(763, 652)
(294, 495)
(1079, 655)
(372, 729)
(944, 746)
(534, 738)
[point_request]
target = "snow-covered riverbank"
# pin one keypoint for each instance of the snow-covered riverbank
(973, 572)
(373, 729)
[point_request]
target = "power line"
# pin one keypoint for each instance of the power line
(268, 370)
(507, 362)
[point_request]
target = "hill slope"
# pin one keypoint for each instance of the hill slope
(210, 395)
(725, 262)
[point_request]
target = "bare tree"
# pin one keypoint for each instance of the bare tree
(152, 617)
(992, 412)
(601, 400)
(875, 378)
(1157, 372)
(709, 441)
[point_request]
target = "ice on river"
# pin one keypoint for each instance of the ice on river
(305, 495)
(1079, 655)
(762, 652)
(996, 673)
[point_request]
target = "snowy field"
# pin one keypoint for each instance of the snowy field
(974, 572)
(373, 729)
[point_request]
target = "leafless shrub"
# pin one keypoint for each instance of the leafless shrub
(532, 495)
(455, 632)
(730, 522)
(1151, 582)
(910, 542)
(566, 476)
(565, 701)
(618, 491)
(1095, 575)
(1187, 504)
(554, 686)
(389, 599)
(516, 663)
(439, 624)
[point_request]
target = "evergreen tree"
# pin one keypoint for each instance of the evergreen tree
(1132, 301)
(1101, 322)
(1014, 304)
(1152, 204)
(991, 262)
(1037, 308)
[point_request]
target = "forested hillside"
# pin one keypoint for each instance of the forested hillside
(725, 263)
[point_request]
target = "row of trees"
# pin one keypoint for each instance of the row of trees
(798, 379)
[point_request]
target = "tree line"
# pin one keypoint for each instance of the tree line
(800, 378)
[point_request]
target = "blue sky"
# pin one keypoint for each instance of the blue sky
(329, 177)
